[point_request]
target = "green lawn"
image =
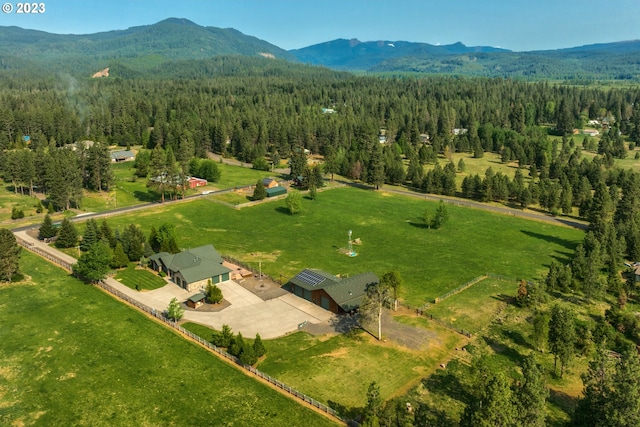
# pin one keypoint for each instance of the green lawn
(431, 262)
(475, 307)
(143, 279)
(73, 355)
(338, 370)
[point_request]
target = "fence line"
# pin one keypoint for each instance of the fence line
(160, 315)
(421, 310)
(44, 254)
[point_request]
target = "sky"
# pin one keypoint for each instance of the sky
(519, 25)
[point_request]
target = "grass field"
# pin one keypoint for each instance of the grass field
(431, 262)
(474, 308)
(72, 355)
(143, 279)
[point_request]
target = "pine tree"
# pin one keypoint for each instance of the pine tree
(68, 236)
(532, 394)
(259, 349)
(562, 336)
(120, 258)
(90, 236)
(9, 255)
(259, 192)
(47, 230)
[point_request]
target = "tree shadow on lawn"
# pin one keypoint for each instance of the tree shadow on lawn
(551, 239)
(283, 210)
(562, 257)
(147, 196)
(346, 412)
(504, 350)
(448, 383)
(517, 338)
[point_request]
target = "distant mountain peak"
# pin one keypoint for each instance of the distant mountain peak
(179, 21)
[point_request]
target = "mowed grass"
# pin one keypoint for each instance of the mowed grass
(475, 307)
(431, 262)
(73, 355)
(139, 279)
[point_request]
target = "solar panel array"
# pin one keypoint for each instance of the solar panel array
(311, 278)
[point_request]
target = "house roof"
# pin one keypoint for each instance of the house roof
(312, 279)
(122, 154)
(347, 292)
(194, 264)
(275, 191)
(197, 297)
(267, 181)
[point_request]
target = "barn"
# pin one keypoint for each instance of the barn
(336, 294)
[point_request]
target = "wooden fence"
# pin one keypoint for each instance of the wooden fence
(160, 315)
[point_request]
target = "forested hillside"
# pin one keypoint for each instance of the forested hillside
(139, 48)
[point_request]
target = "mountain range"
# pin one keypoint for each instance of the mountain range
(147, 48)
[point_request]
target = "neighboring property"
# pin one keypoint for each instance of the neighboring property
(276, 191)
(196, 300)
(122, 156)
(196, 182)
(338, 295)
(637, 272)
(590, 132)
(269, 182)
(191, 269)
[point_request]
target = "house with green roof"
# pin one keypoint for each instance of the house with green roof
(336, 294)
(193, 268)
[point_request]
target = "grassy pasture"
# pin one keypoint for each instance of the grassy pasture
(431, 262)
(145, 279)
(475, 307)
(72, 355)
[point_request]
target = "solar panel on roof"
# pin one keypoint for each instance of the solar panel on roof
(311, 278)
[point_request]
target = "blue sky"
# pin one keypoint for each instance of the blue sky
(518, 25)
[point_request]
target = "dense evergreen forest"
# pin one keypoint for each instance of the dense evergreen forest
(378, 130)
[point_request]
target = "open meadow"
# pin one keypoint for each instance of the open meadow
(73, 355)
(432, 262)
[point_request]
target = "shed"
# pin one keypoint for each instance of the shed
(269, 182)
(122, 155)
(196, 300)
(276, 191)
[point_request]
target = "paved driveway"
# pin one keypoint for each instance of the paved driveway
(246, 313)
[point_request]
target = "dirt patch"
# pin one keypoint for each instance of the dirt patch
(340, 353)
(266, 257)
(67, 376)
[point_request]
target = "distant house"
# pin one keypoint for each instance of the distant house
(269, 182)
(637, 273)
(196, 182)
(276, 191)
(122, 156)
(590, 132)
(338, 295)
(328, 111)
(191, 269)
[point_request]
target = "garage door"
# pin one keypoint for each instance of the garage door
(325, 302)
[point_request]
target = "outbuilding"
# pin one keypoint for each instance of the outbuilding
(196, 300)
(338, 295)
(276, 191)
